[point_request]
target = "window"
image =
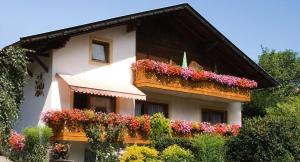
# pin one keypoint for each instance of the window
(100, 51)
(150, 108)
(214, 116)
(98, 103)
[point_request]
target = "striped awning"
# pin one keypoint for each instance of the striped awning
(96, 86)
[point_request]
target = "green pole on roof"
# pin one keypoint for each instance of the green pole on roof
(184, 61)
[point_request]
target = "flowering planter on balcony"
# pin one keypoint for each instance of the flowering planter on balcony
(67, 125)
(77, 134)
(145, 79)
(65, 134)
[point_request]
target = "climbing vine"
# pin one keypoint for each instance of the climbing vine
(13, 72)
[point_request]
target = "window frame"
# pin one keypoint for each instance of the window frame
(214, 110)
(145, 103)
(104, 42)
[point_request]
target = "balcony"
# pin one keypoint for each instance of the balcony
(67, 125)
(149, 74)
(77, 134)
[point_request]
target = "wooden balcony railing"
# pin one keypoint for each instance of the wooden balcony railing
(154, 81)
(77, 134)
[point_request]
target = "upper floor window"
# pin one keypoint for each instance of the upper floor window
(214, 116)
(100, 51)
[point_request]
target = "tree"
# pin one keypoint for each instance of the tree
(13, 71)
(288, 108)
(271, 138)
(284, 66)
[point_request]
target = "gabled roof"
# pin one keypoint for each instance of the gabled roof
(57, 39)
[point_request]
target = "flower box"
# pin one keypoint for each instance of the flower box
(133, 130)
(143, 79)
(77, 134)
(66, 134)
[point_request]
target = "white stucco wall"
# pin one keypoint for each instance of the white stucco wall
(32, 105)
(190, 109)
(73, 59)
(234, 113)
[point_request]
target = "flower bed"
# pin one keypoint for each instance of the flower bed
(137, 128)
(193, 75)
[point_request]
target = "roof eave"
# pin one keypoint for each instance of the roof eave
(86, 28)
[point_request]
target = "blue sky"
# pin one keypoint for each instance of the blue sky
(248, 24)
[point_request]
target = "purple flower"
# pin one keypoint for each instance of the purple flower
(186, 73)
(162, 68)
(186, 127)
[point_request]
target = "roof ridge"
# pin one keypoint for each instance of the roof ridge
(133, 15)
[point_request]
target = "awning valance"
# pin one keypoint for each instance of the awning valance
(96, 86)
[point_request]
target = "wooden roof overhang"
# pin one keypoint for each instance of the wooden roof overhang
(212, 45)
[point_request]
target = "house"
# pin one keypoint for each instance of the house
(91, 66)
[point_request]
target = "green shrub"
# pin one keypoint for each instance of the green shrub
(290, 107)
(211, 148)
(160, 127)
(13, 73)
(139, 154)
(186, 143)
(175, 153)
(271, 139)
(36, 143)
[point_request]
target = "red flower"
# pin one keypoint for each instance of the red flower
(59, 148)
(114, 119)
(235, 129)
(144, 125)
(54, 117)
(132, 125)
(149, 65)
(199, 76)
(17, 141)
(76, 115)
(220, 129)
(174, 70)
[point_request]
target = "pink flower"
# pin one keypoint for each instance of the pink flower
(162, 68)
(186, 73)
(181, 127)
(207, 127)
